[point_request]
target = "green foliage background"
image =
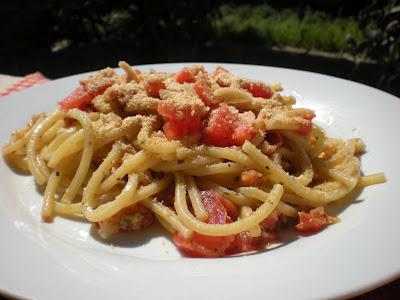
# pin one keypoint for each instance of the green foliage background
(315, 30)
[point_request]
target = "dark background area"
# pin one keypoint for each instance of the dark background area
(357, 40)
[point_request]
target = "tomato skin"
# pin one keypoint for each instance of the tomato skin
(258, 89)
(153, 88)
(215, 203)
(219, 128)
(179, 122)
(227, 128)
(47, 219)
(312, 222)
(250, 178)
(185, 75)
(244, 129)
(82, 95)
(204, 92)
(271, 222)
(214, 206)
(306, 130)
(79, 98)
(231, 209)
(244, 243)
(208, 246)
(217, 244)
(131, 210)
(193, 249)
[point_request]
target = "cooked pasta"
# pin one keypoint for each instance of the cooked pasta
(221, 161)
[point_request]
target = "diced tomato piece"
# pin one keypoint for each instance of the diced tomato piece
(306, 130)
(226, 127)
(131, 218)
(136, 208)
(258, 89)
(214, 206)
(209, 246)
(231, 208)
(219, 127)
(100, 90)
(138, 72)
(79, 98)
(217, 244)
(153, 88)
(216, 203)
(192, 249)
(179, 122)
(312, 222)
(244, 243)
(222, 82)
(309, 115)
(185, 75)
(244, 129)
(90, 88)
(204, 92)
(271, 222)
(250, 178)
(47, 219)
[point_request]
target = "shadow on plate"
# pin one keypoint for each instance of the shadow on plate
(131, 239)
(337, 207)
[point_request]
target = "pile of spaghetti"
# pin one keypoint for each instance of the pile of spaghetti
(221, 161)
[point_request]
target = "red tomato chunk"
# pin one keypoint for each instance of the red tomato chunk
(312, 222)
(179, 121)
(244, 243)
(227, 127)
(306, 130)
(79, 98)
(153, 88)
(272, 221)
(221, 211)
(185, 75)
(208, 246)
(204, 92)
(215, 203)
(250, 178)
(93, 86)
(258, 89)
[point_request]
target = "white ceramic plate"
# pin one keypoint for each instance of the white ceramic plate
(63, 260)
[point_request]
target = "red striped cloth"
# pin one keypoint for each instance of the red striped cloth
(25, 82)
